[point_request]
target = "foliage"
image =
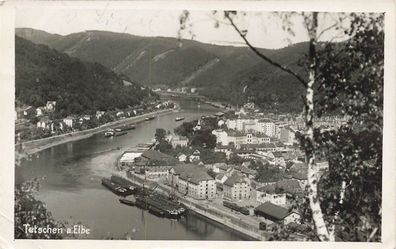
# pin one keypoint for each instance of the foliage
(237, 67)
(266, 172)
(43, 74)
(160, 134)
(351, 80)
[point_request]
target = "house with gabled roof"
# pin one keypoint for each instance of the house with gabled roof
(193, 180)
(236, 187)
(276, 213)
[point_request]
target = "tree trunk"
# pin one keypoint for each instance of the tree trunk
(313, 172)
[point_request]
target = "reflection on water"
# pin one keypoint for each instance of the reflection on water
(72, 186)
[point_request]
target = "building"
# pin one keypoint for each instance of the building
(24, 112)
(236, 187)
(179, 141)
(195, 157)
(269, 193)
(50, 106)
(182, 157)
(40, 111)
(154, 164)
(70, 121)
(193, 180)
(221, 136)
(278, 159)
(128, 158)
(45, 123)
(99, 114)
(276, 213)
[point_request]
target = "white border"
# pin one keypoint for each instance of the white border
(7, 19)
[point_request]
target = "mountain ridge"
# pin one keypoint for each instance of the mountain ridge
(165, 61)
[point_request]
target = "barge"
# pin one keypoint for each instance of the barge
(179, 118)
(149, 118)
(126, 127)
(125, 183)
(115, 187)
(114, 132)
(127, 202)
(160, 206)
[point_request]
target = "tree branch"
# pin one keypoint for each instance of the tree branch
(255, 50)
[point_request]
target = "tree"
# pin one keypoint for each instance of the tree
(355, 150)
(361, 103)
(160, 134)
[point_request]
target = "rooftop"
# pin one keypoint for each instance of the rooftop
(233, 179)
(273, 210)
(192, 173)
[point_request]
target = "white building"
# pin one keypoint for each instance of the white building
(179, 141)
(70, 121)
(193, 180)
(236, 187)
(221, 136)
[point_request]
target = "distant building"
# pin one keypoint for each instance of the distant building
(154, 164)
(236, 187)
(70, 121)
(45, 123)
(40, 111)
(179, 141)
(195, 157)
(128, 158)
(24, 112)
(269, 193)
(193, 180)
(278, 159)
(99, 114)
(276, 213)
(221, 178)
(221, 136)
(50, 106)
(182, 157)
(198, 126)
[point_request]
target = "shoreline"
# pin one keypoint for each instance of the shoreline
(202, 209)
(34, 146)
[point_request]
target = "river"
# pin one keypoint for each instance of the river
(72, 188)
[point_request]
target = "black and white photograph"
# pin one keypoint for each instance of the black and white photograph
(216, 124)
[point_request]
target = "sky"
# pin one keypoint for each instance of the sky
(264, 28)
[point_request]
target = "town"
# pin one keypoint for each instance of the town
(241, 168)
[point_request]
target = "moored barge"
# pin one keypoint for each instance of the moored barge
(115, 187)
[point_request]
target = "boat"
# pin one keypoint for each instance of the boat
(119, 133)
(149, 118)
(179, 118)
(127, 202)
(125, 183)
(126, 127)
(114, 187)
(160, 206)
(109, 133)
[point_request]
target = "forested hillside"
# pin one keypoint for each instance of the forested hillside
(43, 74)
(233, 74)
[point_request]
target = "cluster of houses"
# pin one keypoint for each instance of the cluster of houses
(234, 183)
(270, 140)
(25, 113)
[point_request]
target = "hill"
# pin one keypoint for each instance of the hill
(43, 74)
(221, 72)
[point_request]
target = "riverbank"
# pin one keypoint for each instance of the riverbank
(34, 146)
(208, 210)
